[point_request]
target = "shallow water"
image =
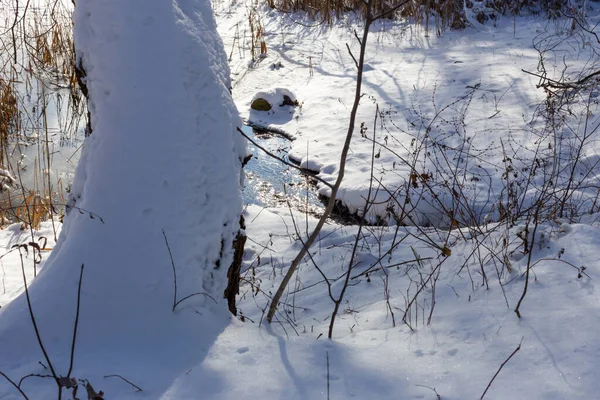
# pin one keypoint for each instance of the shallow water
(43, 157)
(270, 183)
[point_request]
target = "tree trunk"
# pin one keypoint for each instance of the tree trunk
(233, 274)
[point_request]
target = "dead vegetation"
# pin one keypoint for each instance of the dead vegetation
(41, 107)
(441, 15)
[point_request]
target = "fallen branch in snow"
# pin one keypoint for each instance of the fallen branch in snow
(8, 179)
(550, 82)
(500, 369)
(547, 82)
(139, 389)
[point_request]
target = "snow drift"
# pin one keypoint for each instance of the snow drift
(163, 155)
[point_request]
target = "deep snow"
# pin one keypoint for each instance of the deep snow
(375, 354)
(163, 130)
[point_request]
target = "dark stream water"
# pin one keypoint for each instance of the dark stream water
(270, 183)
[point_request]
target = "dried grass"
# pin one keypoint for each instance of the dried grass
(37, 71)
(436, 14)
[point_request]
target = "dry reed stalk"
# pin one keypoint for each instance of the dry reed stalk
(448, 14)
(37, 62)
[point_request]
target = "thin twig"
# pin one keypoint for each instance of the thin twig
(139, 389)
(345, 149)
(501, 366)
(368, 203)
(15, 385)
(33, 376)
(437, 395)
(76, 322)
(328, 384)
(35, 327)
(371, 269)
(529, 255)
(352, 55)
(174, 271)
(192, 295)
(175, 301)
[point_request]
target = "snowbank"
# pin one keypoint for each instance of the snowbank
(164, 155)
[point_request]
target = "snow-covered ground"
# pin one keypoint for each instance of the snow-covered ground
(452, 108)
(428, 313)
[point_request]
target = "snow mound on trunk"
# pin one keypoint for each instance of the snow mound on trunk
(163, 156)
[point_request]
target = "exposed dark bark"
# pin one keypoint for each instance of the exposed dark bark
(233, 274)
(81, 75)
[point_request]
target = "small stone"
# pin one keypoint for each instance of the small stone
(260, 105)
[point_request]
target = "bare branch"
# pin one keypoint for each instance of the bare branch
(34, 323)
(139, 389)
(352, 55)
(15, 385)
(76, 322)
(174, 271)
(33, 376)
(315, 233)
(195, 294)
(501, 366)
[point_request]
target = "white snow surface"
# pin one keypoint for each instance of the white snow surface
(448, 106)
(460, 326)
(472, 330)
(274, 95)
(163, 156)
(278, 116)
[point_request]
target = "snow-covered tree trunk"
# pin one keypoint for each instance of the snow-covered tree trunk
(164, 156)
